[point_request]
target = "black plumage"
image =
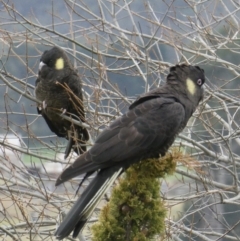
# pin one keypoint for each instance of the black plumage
(147, 130)
(59, 88)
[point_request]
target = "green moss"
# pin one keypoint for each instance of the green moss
(136, 211)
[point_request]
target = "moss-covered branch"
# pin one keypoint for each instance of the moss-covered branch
(136, 211)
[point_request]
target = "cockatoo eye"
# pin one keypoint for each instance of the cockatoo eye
(199, 82)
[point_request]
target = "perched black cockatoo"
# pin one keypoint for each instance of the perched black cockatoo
(147, 130)
(59, 88)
